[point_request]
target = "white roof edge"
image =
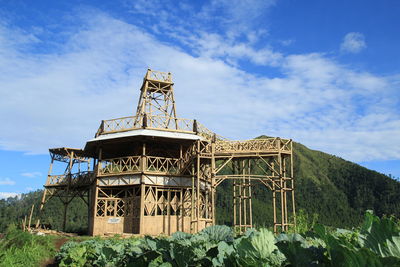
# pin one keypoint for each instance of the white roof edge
(147, 132)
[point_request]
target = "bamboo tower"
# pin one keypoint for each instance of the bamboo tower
(155, 173)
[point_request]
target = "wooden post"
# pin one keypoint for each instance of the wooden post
(90, 205)
(192, 208)
(292, 185)
(99, 167)
(169, 211)
(30, 217)
(142, 189)
(181, 210)
(71, 163)
(213, 188)
(244, 197)
(195, 127)
(250, 196)
(281, 188)
(234, 204)
(274, 205)
(198, 186)
(285, 192)
(144, 124)
(173, 101)
(69, 173)
(45, 190)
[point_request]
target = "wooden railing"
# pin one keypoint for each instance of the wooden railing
(74, 179)
(169, 123)
(119, 125)
(155, 122)
(254, 145)
(163, 165)
(119, 165)
(137, 164)
(57, 179)
(159, 76)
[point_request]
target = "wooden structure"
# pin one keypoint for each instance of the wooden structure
(155, 173)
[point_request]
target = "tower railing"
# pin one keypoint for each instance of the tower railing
(154, 122)
(159, 76)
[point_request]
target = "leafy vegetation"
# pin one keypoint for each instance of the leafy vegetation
(18, 248)
(375, 243)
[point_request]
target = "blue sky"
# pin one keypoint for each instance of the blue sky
(324, 73)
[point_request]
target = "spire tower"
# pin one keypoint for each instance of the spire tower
(156, 102)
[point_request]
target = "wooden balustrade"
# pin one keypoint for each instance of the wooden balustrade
(74, 179)
(121, 165)
(163, 165)
(155, 122)
(135, 164)
(254, 145)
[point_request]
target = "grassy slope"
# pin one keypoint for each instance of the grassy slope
(340, 190)
(19, 248)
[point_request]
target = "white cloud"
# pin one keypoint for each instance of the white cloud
(31, 174)
(7, 181)
(4, 195)
(353, 42)
(231, 41)
(215, 46)
(59, 99)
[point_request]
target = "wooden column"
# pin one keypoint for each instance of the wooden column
(249, 193)
(142, 189)
(69, 177)
(193, 196)
(213, 188)
(274, 205)
(198, 186)
(292, 185)
(43, 201)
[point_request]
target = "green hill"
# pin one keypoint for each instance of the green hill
(337, 190)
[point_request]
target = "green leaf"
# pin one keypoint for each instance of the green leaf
(264, 243)
(181, 236)
(381, 236)
(258, 250)
(223, 257)
(217, 233)
(297, 255)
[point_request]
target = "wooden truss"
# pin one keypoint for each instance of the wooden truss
(149, 185)
(74, 182)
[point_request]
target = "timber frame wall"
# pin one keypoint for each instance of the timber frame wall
(152, 183)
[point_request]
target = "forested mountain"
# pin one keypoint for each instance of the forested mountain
(337, 190)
